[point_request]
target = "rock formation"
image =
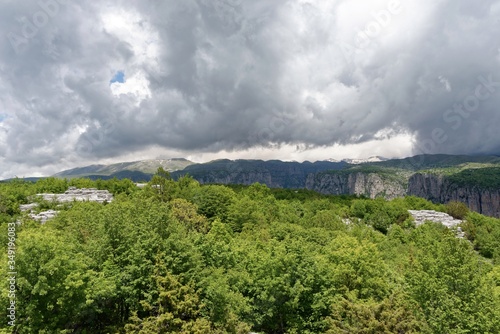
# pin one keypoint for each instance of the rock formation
(421, 216)
(43, 216)
(389, 179)
(70, 195)
(371, 185)
(274, 173)
(84, 194)
(437, 188)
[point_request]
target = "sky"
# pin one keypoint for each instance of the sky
(106, 81)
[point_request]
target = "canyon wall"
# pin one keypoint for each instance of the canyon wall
(435, 188)
(439, 189)
(371, 185)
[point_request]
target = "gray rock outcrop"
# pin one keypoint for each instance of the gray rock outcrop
(75, 194)
(70, 195)
(28, 207)
(421, 216)
(438, 189)
(371, 185)
(43, 216)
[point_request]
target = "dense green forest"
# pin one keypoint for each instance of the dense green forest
(485, 178)
(178, 257)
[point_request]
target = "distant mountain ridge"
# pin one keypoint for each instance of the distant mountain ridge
(474, 180)
(142, 168)
(273, 173)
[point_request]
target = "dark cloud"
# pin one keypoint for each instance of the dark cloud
(225, 75)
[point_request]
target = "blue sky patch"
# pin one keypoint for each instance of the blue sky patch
(119, 77)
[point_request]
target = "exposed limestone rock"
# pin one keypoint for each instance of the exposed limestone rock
(28, 207)
(84, 194)
(421, 216)
(43, 216)
(70, 195)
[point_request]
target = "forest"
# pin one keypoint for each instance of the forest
(180, 257)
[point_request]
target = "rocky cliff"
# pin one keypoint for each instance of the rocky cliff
(471, 180)
(274, 173)
(433, 187)
(368, 184)
(440, 189)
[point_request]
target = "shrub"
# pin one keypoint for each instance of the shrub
(457, 210)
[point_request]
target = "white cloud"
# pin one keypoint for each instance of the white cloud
(136, 85)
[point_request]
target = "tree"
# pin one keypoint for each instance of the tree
(289, 285)
(176, 308)
(186, 213)
(213, 201)
(445, 278)
(52, 281)
(162, 184)
(51, 185)
(327, 219)
(484, 233)
(244, 210)
(357, 267)
(394, 314)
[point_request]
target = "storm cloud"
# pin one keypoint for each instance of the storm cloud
(86, 82)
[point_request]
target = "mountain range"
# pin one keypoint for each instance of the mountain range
(141, 170)
(474, 180)
(144, 169)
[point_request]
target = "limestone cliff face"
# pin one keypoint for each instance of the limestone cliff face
(438, 189)
(274, 173)
(333, 178)
(368, 184)
(290, 178)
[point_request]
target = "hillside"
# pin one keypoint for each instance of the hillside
(439, 161)
(142, 166)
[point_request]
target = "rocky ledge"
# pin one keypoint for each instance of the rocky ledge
(70, 195)
(83, 194)
(421, 216)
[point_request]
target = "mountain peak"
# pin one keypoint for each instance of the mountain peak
(363, 161)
